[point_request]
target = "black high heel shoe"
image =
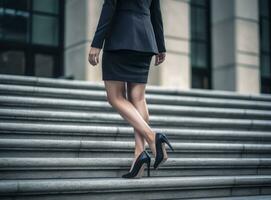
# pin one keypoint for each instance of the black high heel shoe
(142, 160)
(160, 140)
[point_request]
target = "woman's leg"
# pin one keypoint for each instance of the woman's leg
(115, 91)
(136, 95)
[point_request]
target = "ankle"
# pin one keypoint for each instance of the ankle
(151, 138)
(138, 152)
(152, 147)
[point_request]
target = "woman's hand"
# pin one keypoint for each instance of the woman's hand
(160, 58)
(93, 56)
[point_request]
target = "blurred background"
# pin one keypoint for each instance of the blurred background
(211, 44)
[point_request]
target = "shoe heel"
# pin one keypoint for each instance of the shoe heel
(138, 168)
(167, 142)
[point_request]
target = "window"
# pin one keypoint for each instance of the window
(265, 45)
(32, 31)
(12, 62)
(200, 44)
(14, 20)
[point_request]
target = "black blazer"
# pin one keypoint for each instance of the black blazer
(130, 24)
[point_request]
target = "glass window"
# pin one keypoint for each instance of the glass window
(193, 22)
(44, 65)
(265, 34)
(201, 23)
(266, 88)
(200, 43)
(45, 30)
(49, 6)
(265, 45)
(199, 57)
(201, 54)
(200, 81)
(32, 31)
(198, 23)
(16, 4)
(1, 22)
(12, 62)
(264, 9)
(14, 25)
(265, 65)
(193, 53)
(199, 2)
(197, 81)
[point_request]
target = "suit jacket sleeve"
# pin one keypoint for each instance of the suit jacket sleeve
(107, 13)
(157, 23)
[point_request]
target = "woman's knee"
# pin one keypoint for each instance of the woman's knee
(111, 99)
(114, 92)
(136, 93)
(139, 102)
(136, 98)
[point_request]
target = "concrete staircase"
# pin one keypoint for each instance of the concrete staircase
(60, 139)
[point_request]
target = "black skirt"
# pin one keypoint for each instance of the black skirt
(126, 65)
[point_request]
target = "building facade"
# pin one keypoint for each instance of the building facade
(211, 44)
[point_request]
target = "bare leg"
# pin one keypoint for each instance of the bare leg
(115, 91)
(136, 95)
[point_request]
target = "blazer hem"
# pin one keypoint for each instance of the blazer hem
(134, 49)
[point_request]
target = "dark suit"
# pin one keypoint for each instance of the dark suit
(130, 24)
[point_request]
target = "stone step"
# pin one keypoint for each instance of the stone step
(75, 117)
(84, 148)
(86, 105)
(258, 197)
(33, 91)
(60, 139)
(53, 168)
(145, 188)
(30, 130)
(87, 85)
